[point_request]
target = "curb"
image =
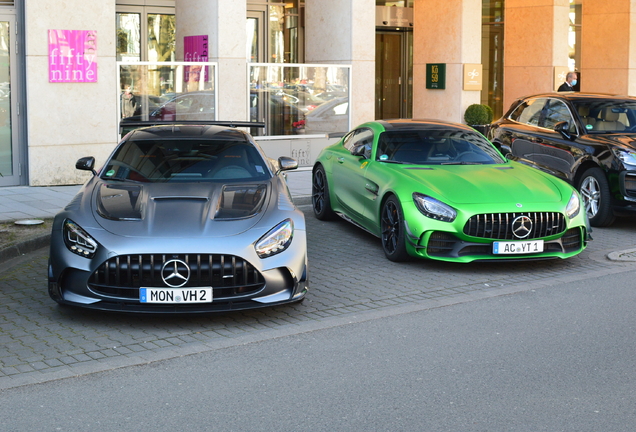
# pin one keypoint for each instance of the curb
(302, 200)
(25, 247)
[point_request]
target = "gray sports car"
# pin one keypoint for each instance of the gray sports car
(181, 218)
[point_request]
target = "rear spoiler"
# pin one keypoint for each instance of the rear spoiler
(127, 126)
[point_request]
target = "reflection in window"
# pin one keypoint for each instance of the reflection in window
(252, 39)
(492, 54)
(6, 150)
(128, 38)
(166, 92)
(161, 37)
(299, 99)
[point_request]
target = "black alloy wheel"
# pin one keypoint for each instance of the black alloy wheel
(393, 232)
(320, 195)
(595, 191)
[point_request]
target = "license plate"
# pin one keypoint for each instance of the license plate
(175, 295)
(517, 247)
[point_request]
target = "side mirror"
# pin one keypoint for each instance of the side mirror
(563, 128)
(86, 164)
(286, 163)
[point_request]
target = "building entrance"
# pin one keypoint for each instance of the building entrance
(393, 74)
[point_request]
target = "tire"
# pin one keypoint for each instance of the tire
(595, 191)
(320, 195)
(393, 231)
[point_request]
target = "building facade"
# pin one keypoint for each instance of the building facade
(66, 65)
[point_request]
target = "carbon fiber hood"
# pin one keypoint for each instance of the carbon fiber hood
(180, 209)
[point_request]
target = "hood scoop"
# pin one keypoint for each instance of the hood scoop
(240, 201)
(119, 202)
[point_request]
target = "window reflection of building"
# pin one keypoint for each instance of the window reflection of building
(492, 54)
(574, 39)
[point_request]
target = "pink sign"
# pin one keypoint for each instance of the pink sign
(195, 49)
(72, 56)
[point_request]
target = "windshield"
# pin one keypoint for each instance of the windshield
(436, 147)
(185, 160)
(607, 116)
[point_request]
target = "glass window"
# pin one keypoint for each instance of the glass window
(436, 147)
(299, 99)
(166, 92)
(492, 50)
(556, 111)
(161, 37)
(529, 112)
(362, 137)
(128, 37)
(186, 160)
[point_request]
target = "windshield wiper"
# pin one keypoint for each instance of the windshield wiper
(461, 163)
(395, 161)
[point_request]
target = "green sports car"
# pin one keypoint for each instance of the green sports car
(439, 190)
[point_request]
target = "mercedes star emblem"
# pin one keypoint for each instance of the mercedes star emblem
(175, 273)
(521, 226)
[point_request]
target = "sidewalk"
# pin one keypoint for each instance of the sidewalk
(27, 202)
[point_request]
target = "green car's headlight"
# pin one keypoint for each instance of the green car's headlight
(435, 209)
(276, 240)
(574, 205)
(78, 241)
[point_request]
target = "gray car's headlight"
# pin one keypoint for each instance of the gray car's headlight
(276, 240)
(435, 209)
(78, 241)
(625, 156)
(574, 205)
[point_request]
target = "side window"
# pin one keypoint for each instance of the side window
(529, 112)
(363, 137)
(348, 141)
(556, 111)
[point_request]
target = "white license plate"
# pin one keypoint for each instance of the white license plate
(517, 247)
(175, 295)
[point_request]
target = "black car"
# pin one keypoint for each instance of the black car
(589, 140)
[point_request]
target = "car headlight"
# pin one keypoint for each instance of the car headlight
(574, 205)
(626, 156)
(435, 209)
(78, 241)
(276, 240)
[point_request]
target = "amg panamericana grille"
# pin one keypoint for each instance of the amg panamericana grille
(228, 275)
(499, 225)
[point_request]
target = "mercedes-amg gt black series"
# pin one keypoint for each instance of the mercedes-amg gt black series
(181, 218)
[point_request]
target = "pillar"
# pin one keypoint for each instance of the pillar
(224, 22)
(535, 42)
(446, 32)
(608, 56)
(343, 32)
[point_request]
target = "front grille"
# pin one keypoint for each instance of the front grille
(498, 226)
(228, 275)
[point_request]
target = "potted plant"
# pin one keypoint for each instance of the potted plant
(479, 117)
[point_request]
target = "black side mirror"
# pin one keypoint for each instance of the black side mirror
(286, 163)
(563, 128)
(86, 164)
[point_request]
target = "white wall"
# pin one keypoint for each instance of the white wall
(69, 120)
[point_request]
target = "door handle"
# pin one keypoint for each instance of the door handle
(340, 160)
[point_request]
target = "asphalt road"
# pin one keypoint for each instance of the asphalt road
(557, 358)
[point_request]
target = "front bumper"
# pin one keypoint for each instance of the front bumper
(238, 278)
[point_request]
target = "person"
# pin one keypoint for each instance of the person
(129, 103)
(570, 82)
